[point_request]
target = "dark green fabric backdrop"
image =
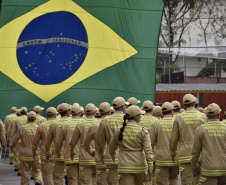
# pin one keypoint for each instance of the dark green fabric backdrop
(137, 22)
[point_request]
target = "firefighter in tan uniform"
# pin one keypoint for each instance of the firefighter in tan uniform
(38, 110)
(40, 136)
(17, 123)
(166, 170)
(63, 140)
(87, 163)
(52, 135)
(210, 142)
(26, 134)
(105, 133)
(135, 152)
(182, 110)
(200, 109)
(112, 110)
(183, 132)
(9, 139)
(224, 119)
(7, 123)
(98, 115)
(177, 107)
(2, 136)
(105, 110)
(133, 101)
(197, 108)
(147, 121)
(157, 112)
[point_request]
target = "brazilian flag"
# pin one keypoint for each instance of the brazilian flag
(54, 51)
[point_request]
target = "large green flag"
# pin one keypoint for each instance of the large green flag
(77, 51)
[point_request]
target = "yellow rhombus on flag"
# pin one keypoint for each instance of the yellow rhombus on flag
(105, 48)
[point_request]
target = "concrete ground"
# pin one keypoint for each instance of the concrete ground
(9, 177)
(7, 174)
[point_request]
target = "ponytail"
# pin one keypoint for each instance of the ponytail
(120, 136)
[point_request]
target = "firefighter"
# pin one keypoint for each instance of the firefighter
(210, 141)
(105, 110)
(7, 122)
(52, 135)
(87, 163)
(26, 134)
(104, 135)
(183, 132)
(17, 123)
(166, 170)
(135, 152)
(157, 112)
(66, 131)
(38, 110)
(41, 134)
(147, 121)
(177, 107)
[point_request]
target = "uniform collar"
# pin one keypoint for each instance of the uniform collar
(118, 112)
(210, 120)
(132, 122)
(76, 117)
(167, 116)
(191, 108)
(102, 117)
(148, 114)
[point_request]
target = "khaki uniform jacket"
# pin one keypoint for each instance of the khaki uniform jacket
(9, 132)
(65, 136)
(105, 133)
(26, 133)
(147, 121)
(2, 133)
(183, 132)
(160, 135)
(39, 119)
(175, 114)
(41, 135)
(17, 123)
(8, 120)
(52, 136)
(210, 141)
(90, 136)
(79, 134)
(135, 152)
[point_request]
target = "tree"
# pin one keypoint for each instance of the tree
(211, 22)
(177, 15)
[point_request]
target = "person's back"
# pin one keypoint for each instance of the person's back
(105, 133)
(86, 161)
(187, 123)
(38, 110)
(9, 118)
(135, 152)
(166, 170)
(26, 134)
(147, 120)
(91, 135)
(63, 140)
(183, 132)
(41, 134)
(52, 135)
(210, 142)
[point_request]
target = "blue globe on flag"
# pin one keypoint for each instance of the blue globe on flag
(52, 47)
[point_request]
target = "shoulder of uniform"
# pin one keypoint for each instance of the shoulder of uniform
(144, 130)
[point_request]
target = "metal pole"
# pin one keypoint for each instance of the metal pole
(169, 46)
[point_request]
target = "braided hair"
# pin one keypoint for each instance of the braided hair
(120, 136)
